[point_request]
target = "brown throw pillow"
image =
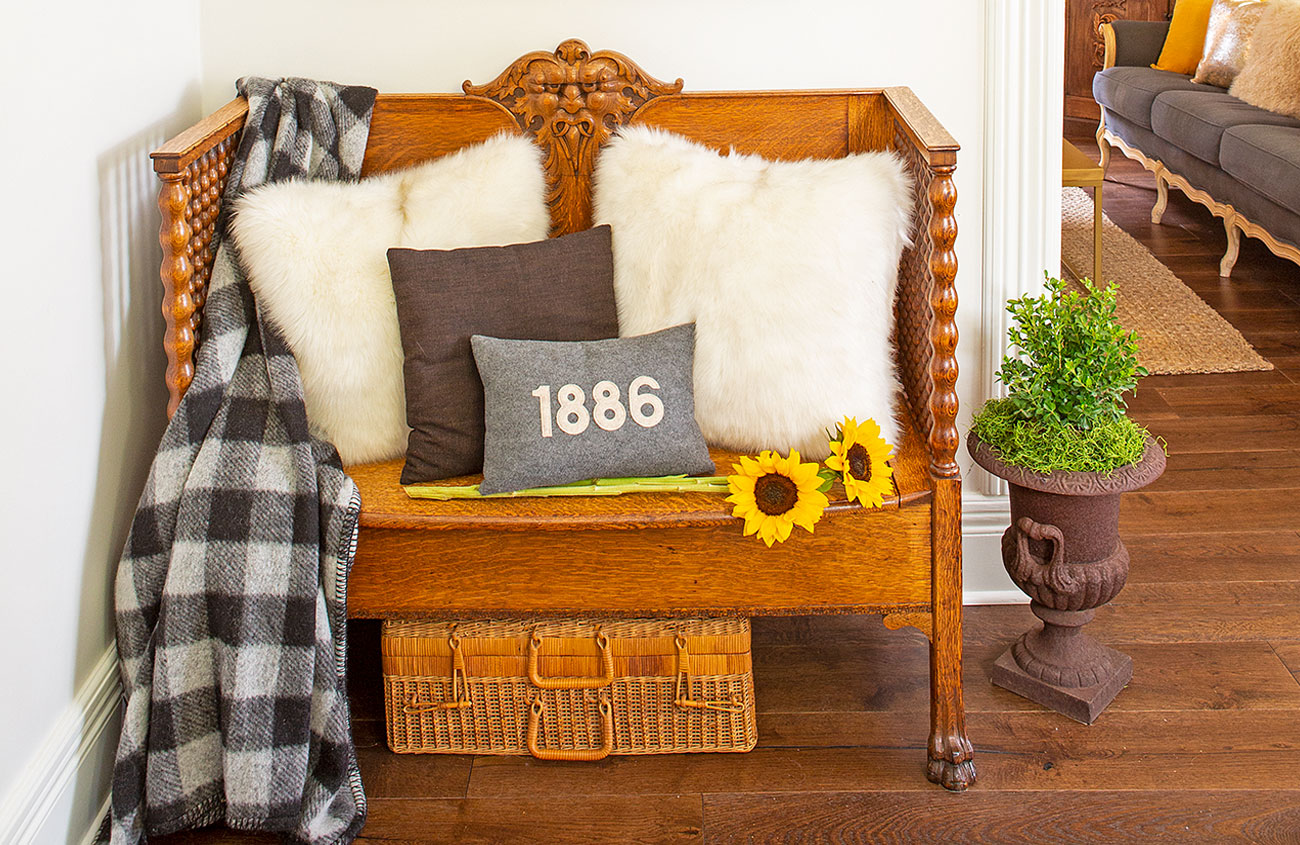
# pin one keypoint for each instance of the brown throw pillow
(556, 289)
(1271, 78)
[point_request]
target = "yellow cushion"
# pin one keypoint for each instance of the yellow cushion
(1186, 38)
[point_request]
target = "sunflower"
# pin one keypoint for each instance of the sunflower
(773, 494)
(859, 455)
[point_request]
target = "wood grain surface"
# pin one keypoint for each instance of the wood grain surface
(1056, 818)
(406, 129)
(874, 560)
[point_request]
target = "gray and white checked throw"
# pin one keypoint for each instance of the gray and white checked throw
(232, 590)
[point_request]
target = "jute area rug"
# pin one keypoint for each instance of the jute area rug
(1177, 331)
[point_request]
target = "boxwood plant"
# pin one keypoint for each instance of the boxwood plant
(1065, 404)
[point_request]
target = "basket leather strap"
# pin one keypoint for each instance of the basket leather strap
(682, 687)
(459, 684)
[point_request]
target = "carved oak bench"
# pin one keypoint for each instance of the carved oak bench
(664, 554)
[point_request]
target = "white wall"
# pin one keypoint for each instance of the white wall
(89, 88)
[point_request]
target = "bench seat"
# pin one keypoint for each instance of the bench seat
(499, 545)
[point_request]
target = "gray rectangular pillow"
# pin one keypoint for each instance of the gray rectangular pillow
(558, 412)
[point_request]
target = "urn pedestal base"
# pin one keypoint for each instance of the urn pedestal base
(1083, 704)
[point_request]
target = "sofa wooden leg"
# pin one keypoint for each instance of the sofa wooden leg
(1234, 246)
(1104, 147)
(1162, 196)
(950, 762)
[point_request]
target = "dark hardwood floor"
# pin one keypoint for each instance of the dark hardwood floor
(1203, 746)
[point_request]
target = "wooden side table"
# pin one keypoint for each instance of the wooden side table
(1079, 171)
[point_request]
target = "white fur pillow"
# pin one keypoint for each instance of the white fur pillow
(1270, 79)
(788, 270)
(316, 258)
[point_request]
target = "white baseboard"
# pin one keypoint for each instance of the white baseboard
(67, 772)
(92, 831)
(983, 519)
(984, 515)
(973, 597)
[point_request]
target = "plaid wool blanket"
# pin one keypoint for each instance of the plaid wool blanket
(232, 589)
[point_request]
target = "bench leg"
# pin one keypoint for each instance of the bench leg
(950, 762)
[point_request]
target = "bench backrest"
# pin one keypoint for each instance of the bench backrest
(571, 101)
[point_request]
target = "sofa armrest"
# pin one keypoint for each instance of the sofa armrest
(1133, 43)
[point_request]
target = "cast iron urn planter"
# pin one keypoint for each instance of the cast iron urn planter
(1063, 549)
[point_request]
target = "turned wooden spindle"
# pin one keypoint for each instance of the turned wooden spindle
(176, 272)
(944, 437)
(193, 168)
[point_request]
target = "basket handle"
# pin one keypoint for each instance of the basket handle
(576, 754)
(594, 682)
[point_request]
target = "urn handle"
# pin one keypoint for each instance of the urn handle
(1053, 573)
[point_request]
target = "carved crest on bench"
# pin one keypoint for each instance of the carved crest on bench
(572, 101)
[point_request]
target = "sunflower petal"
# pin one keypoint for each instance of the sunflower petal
(741, 483)
(803, 474)
(743, 506)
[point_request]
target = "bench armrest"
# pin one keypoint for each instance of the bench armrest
(925, 322)
(193, 168)
(1133, 43)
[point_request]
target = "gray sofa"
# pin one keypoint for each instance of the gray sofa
(1240, 162)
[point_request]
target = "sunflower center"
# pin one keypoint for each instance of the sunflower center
(859, 461)
(775, 494)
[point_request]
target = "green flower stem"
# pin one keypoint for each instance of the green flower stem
(593, 487)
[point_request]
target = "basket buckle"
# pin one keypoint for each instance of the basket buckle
(459, 684)
(682, 687)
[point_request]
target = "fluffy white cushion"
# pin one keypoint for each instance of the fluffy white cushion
(788, 270)
(316, 258)
(1270, 79)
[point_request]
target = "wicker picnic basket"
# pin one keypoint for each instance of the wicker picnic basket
(569, 689)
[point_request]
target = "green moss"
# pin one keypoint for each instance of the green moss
(1108, 445)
